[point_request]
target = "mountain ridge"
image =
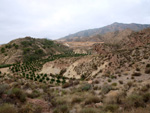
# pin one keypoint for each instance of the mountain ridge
(103, 30)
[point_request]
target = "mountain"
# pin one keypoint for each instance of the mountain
(106, 29)
(132, 41)
(28, 49)
(115, 80)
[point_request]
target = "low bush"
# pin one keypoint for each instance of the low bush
(134, 100)
(147, 70)
(89, 110)
(138, 110)
(120, 81)
(114, 84)
(91, 100)
(136, 74)
(3, 88)
(96, 82)
(147, 65)
(34, 94)
(28, 108)
(105, 89)
(61, 109)
(66, 85)
(7, 108)
(111, 107)
(86, 87)
(18, 93)
(76, 100)
(146, 97)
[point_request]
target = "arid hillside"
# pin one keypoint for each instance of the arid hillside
(28, 49)
(113, 78)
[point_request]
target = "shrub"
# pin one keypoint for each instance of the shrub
(130, 84)
(39, 51)
(134, 100)
(7, 108)
(146, 97)
(26, 50)
(136, 74)
(89, 110)
(34, 94)
(138, 110)
(61, 109)
(83, 77)
(113, 77)
(120, 81)
(26, 109)
(3, 88)
(110, 107)
(147, 70)
(86, 87)
(91, 100)
(106, 88)
(145, 88)
(95, 87)
(137, 69)
(148, 65)
(26, 43)
(18, 93)
(96, 81)
(114, 84)
(76, 82)
(59, 102)
(3, 50)
(38, 109)
(76, 100)
(109, 80)
(16, 46)
(66, 85)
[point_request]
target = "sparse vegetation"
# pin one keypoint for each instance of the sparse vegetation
(47, 76)
(7, 108)
(91, 100)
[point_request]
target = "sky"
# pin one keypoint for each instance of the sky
(54, 19)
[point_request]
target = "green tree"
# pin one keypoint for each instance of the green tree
(3, 50)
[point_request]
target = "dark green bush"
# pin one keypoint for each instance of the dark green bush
(136, 74)
(3, 50)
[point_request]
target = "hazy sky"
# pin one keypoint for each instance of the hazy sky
(57, 18)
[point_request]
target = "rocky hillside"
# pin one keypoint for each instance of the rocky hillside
(136, 44)
(96, 33)
(28, 49)
(115, 80)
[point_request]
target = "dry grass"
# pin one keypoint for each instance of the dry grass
(138, 110)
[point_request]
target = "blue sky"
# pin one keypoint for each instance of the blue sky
(57, 18)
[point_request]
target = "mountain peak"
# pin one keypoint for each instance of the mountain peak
(116, 26)
(116, 23)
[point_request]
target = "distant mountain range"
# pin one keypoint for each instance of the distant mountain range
(98, 32)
